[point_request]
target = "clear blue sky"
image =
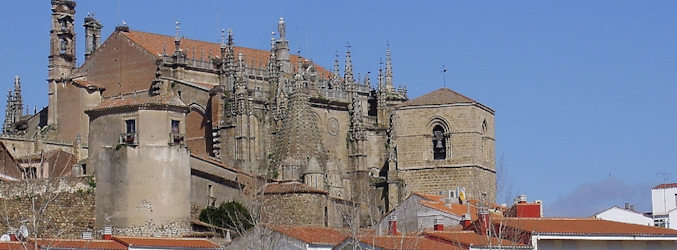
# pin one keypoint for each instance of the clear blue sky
(583, 91)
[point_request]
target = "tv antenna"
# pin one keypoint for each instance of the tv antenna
(444, 74)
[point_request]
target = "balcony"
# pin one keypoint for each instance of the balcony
(176, 139)
(129, 139)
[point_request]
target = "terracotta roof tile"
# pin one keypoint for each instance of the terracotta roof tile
(311, 235)
(165, 242)
(405, 242)
(667, 185)
(581, 226)
(139, 101)
(437, 97)
(154, 43)
(471, 238)
(80, 243)
(15, 245)
(290, 187)
(437, 202)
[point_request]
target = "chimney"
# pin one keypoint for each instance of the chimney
(438, 224)
(86, 235)
(483, 221)
(466, 221)
(392, 225)
(108, 233)
(12, 236)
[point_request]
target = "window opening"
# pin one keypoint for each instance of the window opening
(439, 143)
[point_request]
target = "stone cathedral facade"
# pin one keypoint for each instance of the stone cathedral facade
(264, 112)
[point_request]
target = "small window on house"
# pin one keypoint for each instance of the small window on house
(175, 126)
(179, 92)
(84, 169)
(30, 173)
(439, 143)
(131, 126)
(129, 136)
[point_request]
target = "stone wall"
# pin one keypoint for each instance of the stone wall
(430, 181)
(295, 209)
(60, 207)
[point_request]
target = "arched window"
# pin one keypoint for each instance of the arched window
(439, 143)
(64, 46)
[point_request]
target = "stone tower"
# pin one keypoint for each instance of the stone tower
(61, 51)
(445, 140)
(134, 141)
(92, 35)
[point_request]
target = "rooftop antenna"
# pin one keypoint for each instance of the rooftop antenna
(444, 74)
(665, 178)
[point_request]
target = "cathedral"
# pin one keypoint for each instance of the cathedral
(148, 109)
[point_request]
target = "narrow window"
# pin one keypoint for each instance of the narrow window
(64, 46)
(439, 143)
(675, 199)
(130, 132)
(131, 126)
(84, 169)
(175, 126)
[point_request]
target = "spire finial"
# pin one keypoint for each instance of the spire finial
(281, 29)
(178, 27)
(223, 38)
(389, 67)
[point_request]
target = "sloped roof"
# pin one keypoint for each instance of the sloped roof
(139, 101)
(471, 238)
(155, 44)
(667, 185)
(438, 97)
(165, 242)
(437, 202)
(311, 235)
(582, 226)
(80, 244)
(404, 242)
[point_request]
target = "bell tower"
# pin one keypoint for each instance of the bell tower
(61, 50)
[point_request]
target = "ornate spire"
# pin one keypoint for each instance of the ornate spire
(223, 44)
(8, 113)
(348, 71)
(177, 38)
(389, 69)
(367, 80)
(18, 101)
(230, 56)
(336, 66)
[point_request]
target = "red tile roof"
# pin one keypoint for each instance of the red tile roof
(581, 226)
(80, 243)
(471, 238)
(667, 185)
(15, 245)
(290, 187)
(154, 43)
(437, 97)
(311, 235)
(437, 202)
(405, 242)
(165, 242)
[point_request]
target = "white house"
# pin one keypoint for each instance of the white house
(664, 205)
(625, 215)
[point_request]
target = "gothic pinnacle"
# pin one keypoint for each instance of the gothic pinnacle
(348, 71)
(389, 69)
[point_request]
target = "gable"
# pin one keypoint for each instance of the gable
(120, 66)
